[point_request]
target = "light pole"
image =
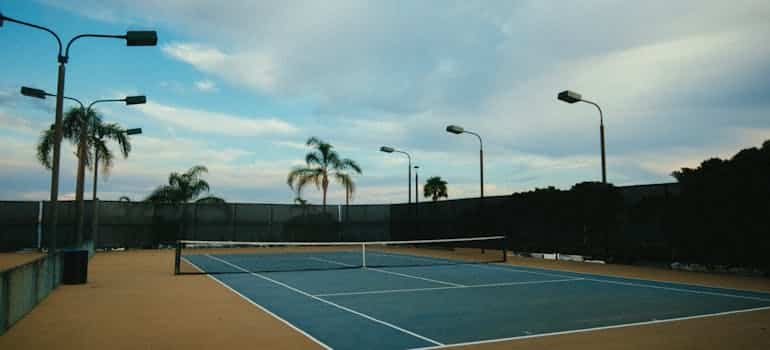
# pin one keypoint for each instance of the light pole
(133, 38)
(83, 144)
(416, 185)
(135, 131)
(387, 149)
(41, 94)
(572, 97)
(95, 215)
(129, 100)
(456, 129)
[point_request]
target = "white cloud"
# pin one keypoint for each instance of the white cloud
(214, 122)
(673, 79)
(291, 144)
(206, 86)
(254, 69)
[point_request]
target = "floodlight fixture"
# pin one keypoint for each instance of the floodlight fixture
(32, 92)
(136, 100)
(141, 38)
(455, 129)
(570, 96)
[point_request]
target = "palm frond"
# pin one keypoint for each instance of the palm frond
(314, 142)
(346, 164)
(346, 181)
(116, 133)
(196, 188)
(45, 146)
(313, 158)
(162, 194)
(301, 176)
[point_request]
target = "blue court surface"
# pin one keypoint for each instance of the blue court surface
(434, 306)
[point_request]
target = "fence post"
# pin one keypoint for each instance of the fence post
(95, 221)
(177, 257)
(5, 301)
(270, 220)
(232, 221)
(39, 226)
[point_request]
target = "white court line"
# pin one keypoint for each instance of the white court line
(632, 284)
(502, 284)
(419, 278)
(328, 302)
(593, 329)
(327, 347)
(393, 273)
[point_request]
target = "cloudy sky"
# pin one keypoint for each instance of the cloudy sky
(239, 86)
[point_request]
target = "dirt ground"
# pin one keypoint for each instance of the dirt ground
(9, 260)
(132, 301)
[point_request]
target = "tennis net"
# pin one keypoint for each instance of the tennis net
(212, 257)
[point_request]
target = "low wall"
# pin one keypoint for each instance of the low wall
(24, 286)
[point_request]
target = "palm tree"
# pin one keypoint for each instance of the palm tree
(210, 200)
(76, 124)
(183, 188)
(435, 188)
(321, 164)
(80, 126)
(300, 201)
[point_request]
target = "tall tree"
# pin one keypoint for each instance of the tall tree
(321, 164)
(73, 125)
(435, 188)
(183, 188)
(80, 126)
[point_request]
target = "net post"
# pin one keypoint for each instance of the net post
(177, 257)
(363, 255)
(505, 247)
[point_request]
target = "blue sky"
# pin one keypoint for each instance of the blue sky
(239, 86)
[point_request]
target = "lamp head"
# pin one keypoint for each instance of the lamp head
(1, 19)
(570, 96)
(455, 129)
(135, 131)
(386, 149)
(136, 100)
(141, 38)
(31, 92)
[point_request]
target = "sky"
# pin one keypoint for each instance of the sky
(239, 86)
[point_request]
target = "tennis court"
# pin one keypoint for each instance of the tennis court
(408, 297)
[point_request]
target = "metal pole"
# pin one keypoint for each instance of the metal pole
(416, 187)
(409, 177)
(56, 156)
(94, 219)
(601, 138)
(604, 163)
(96, 161)
(481, 160)
(481, 169)
(81, 179)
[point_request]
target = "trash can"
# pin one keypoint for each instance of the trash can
(74, 266)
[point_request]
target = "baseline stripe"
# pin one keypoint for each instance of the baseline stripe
(632, 284)
(593, 329)
(328, 302)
